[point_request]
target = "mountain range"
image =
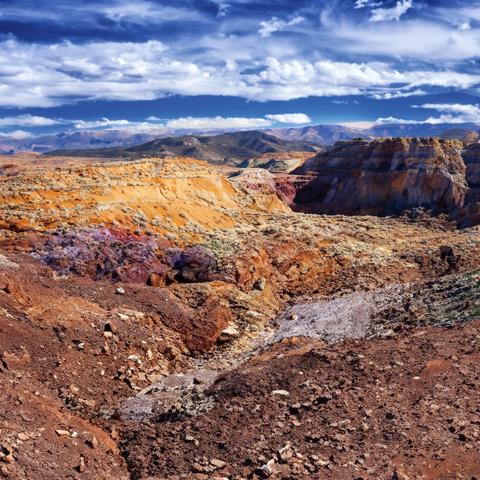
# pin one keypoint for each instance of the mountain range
(177, 141)
(329, 134)
(227, 148)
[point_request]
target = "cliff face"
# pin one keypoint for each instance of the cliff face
(471, 156)
(470, 214)
(385, 177)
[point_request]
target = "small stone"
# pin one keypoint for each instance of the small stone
(9, 459)
(281, 393)
(229, 333)
(4, 471)
(260, 284)
(294, 317)
(81, 464)
(196, 467)
(120, 291)
(93, 443)
(217, 463)
(62, 433)
(264, 472)
(81, 346)
(23, 437)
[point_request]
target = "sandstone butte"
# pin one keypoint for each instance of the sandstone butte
(151, 311)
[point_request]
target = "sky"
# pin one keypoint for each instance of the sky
(157, 65)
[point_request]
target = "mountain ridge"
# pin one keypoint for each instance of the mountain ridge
(227, 148)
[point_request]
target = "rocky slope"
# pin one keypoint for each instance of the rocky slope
(139, 300)
(319, 134)
(156, 195)
(385, 177)
(283, 162)
(226, 149)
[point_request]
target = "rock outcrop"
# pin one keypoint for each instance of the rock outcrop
(385, 177)
(470, 214)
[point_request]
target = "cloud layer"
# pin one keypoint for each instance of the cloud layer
(69, 52)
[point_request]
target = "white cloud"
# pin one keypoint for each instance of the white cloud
(141, 11)
(366, 3)
(296, 118)
(104, 122)
(359, 124)
(388, 95)
(217, 123)
(416, 39)
(464, 26)
(393, 13)
(465, 110)
(222, 9)
(454, 113)
(16, 135)
(50, 75)
(275, 24)
(388, 120)
(28, 121)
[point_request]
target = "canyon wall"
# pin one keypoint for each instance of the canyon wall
(385, 177)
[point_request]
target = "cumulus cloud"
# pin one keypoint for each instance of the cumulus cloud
(275, 24)
(393, 13)
(217, 123)
(38, 75)
(296, 118)
(28, 121)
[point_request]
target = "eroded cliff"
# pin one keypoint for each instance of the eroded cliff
(385, 177)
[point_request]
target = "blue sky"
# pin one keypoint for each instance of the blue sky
(155, 65)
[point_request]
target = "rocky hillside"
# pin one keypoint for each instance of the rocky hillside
(319, 134)
(147, 306)
(385, 177)
(161, 195)
(226, 149)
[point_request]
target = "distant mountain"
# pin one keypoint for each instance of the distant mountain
(202, 145)
(329, 134)
(74, 140)
(462, 134)
(416, 130)
(224, 149)
(319, 134)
